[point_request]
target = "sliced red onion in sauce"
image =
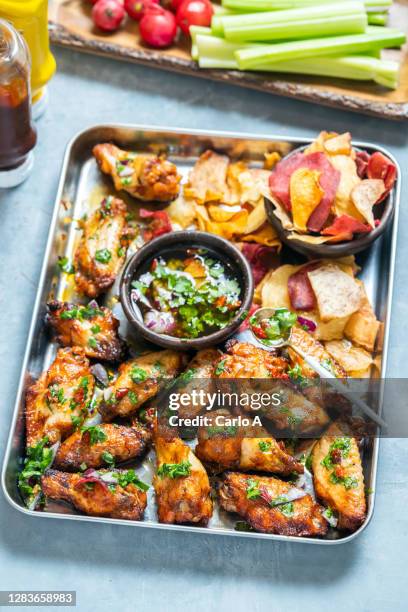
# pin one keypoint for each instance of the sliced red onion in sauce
(159, 322)
(311, 325)
(100, 374)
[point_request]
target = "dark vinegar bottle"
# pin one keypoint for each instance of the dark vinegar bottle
(17, 133)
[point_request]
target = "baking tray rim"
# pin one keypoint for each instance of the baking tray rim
(51, 231)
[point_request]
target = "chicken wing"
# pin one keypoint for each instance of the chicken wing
(266, 504)
(269, 374)
(102, 249)
(338, 476)
(139, 380)
(228, 447)
(198, 375)
(145, 176)
(102, 445)
(95, 497)
(92, 327)
(58, 401)
(181, 484)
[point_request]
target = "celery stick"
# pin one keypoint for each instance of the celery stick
(334, 9)
(196, 30)
(307, 28)
(375, 38)
(216, 26)
(379, 19)
(254, 6)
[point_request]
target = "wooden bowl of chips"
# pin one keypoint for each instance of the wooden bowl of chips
(338, 222)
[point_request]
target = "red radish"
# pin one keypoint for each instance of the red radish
(194, 12)
(137, 8)
(158, 27)
(174, 4)
(108, 15)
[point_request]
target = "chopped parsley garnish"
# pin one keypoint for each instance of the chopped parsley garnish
(96, 434)
(130, 477)
(108, 458)
(138, 375)
(103, 256)
(349, 482)
(296, 376)
(342, 445)
(38, 459)
(220, 367)
(121, 251)
(133, 397)
(126, 181)
(215, 430)
(253, 491)
(76, 421)
(81, 313)
(83, 466)
(93, 343)
(274, 328)
(95, 329)
(264, 446)
(65, 265)
(174, 470)
(57, 394)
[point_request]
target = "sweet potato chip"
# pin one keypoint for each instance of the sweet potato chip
(318, 144)
(228, 229)
(365, 195)
(257, 217)
(351, 358)
(305, 194)
(221, 212)
(338, 295)
(265, 235)
(271, 159)
(275, 287)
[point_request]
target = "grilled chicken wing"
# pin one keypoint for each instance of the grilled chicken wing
(312, 347)
(102, 249)
(226, 447)
(92, 327)
(95, 497)
(145, 176)
(294, 411)
(100, 445)
(264, 503)
(181, 484)
(59, 399)
(139, 380)
(198, 375)
(338, 476)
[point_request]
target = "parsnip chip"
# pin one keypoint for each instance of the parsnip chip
(350, 357)
(208, 179)
(275, 287)
(362, 328)
(220, 213)
(254, 183)
(305, 194)
(317, 146)
(337, 294)
(182, 212)
(349, 179)
(338, 145)
(365, 195)
(228, 229)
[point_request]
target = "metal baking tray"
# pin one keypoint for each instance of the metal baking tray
(80, 182)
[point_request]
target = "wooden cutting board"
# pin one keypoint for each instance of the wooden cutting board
(71, 26)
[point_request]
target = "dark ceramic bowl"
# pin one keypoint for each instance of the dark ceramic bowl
(383, 211)
(168, 244)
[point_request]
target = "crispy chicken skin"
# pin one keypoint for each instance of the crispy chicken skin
(183, 499)
(295, 411)
(244, 360)
(257, 451)
(122, 442)
(346, 496)
(92, 327)
(198, 375)
(122, 503)
(145, 176)
(310, 346)
(302, 517)
(102, 249)
(139, 380)
(59, 397)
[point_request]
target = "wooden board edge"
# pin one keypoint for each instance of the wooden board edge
(149, 57)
